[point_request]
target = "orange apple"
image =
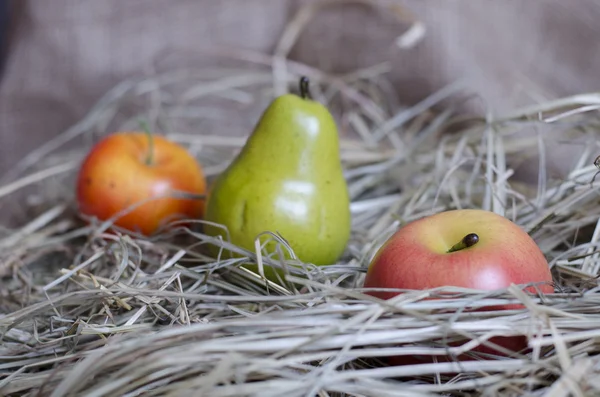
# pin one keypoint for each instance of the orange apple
(127, 168)
(464, 248)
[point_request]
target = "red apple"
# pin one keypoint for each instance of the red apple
(127, 168)
(490, 252)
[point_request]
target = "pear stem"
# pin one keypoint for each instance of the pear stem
(304, 88)
(150, 155)
(468, 241)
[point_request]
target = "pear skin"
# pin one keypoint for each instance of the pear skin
(287, 179)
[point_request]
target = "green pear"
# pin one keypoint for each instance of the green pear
(287, 179)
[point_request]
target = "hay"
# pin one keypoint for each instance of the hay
(87, 312)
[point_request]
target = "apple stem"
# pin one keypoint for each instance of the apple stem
(304, 88)
(150, 154)
(468, 241)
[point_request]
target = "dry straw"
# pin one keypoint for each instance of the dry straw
(86, 312)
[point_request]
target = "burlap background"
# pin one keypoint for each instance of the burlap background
(65, 54)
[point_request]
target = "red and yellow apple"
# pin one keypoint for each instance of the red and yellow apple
(126, 171)
(468, 248)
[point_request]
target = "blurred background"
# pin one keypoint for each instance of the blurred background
(59, 57)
